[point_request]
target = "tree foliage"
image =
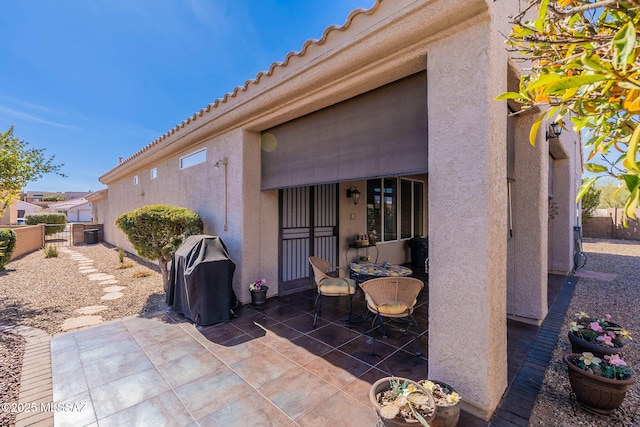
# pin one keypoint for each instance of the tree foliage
(7, 245)
(20, 165)
(590, 202)
(612, 194)
(48, 218)
(157, 231)
(585, 70)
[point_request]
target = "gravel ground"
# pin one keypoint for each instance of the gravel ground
(11, 352)
(43, 292)
(620, 298)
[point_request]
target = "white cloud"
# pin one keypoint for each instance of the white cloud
(11, 112)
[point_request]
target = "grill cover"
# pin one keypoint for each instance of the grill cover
(200, 280)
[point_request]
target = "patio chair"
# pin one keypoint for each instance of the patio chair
(393, 298)
(330, 286)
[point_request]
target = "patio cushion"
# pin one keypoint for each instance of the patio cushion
(338, 286)
(390, 308)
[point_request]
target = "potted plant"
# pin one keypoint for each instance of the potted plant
(361, 240)
(599, 336)
(400, 402)
(258, 292)
(447, 403)
(600, 385)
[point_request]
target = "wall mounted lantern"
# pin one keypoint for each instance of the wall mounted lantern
(556, 130)
(353, 194)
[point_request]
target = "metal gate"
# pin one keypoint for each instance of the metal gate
(57, 235)
(308, 227)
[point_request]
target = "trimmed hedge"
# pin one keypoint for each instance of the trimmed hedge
(7, 245)
(47, 218)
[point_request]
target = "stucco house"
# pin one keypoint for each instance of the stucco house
(77, 210)
(398, 103)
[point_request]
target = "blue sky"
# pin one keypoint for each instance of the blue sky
(94, 80)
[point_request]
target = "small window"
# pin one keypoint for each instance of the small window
(154, 173)
(193, 159)
(135, 180)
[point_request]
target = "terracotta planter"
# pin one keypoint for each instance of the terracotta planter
(259, 298)
(383, 385)
(446, 416)
(579, 345)
(594, 393)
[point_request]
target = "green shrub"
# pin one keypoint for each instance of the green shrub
(51, 252)
(157, 231)
(121, 254)
(7, 245)
(47, 218)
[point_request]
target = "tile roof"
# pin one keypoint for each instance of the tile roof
(255, 81)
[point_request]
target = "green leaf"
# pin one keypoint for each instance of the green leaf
(623, 44)
(533, 132)
(632, 148)
(542, 14)
(575, 81)
(595, 168)
(632, 181)
(510, 95)
(631, 205)
(585, 187)
(593, 62)
(544, 80)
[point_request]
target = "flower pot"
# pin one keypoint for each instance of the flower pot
(446, 415)
(382, 385)
(259, 297)
(593, 392)
(579, 345)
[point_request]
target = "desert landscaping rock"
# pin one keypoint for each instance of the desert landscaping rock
(56, 289)
(81, 322)
(111, 296)
(92, 309)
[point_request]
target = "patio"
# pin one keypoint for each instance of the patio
(262, 368)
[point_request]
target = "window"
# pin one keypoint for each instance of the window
(390, 209)
(193, 159)
(154, 173)
(135, 180)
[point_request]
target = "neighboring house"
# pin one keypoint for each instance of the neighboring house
(16, 212)
(37, 197)
(77, 210)
(397, 103)
(25, 208)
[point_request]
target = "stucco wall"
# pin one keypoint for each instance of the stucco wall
(29, 238)
(467, 192)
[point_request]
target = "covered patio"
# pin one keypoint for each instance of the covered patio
(266, 367)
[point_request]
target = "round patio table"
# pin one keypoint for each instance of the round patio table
(363, 272)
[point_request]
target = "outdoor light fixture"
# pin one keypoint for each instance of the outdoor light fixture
(353, 194)
(556, 130)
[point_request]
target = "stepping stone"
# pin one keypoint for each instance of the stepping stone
(89, 270)
(92, 309)
(114, 289)
(112, 295)
(100, 276)
(82, 321)
(108, 282)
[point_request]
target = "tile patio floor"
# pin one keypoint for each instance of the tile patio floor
(268, 368)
